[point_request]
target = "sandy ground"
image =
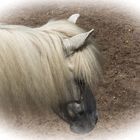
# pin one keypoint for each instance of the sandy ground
(118, 37)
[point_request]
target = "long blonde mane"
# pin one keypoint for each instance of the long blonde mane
(84, 63)
(34, 72)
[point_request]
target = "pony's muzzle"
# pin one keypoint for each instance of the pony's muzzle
(83, 126)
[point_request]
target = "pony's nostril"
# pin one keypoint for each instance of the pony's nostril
(96, 119)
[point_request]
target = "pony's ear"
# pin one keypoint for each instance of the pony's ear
(73, 18)
(76, 42)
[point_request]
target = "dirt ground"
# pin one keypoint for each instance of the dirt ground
(118, 37)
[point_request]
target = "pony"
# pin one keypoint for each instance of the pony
(55, 66)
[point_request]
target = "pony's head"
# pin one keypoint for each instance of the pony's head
(57, 66)
(81, 58)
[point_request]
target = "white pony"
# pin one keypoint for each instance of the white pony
(53, 67)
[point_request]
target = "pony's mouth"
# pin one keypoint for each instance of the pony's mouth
(82, 114)
(81, 129)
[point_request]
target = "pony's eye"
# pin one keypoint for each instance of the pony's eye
(71, 113)
(81, 113)
(74, 109)
(77, 108)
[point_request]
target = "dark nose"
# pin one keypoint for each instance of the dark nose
(85, 125)
(79, 129)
